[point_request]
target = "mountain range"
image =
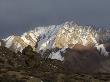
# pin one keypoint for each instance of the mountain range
(63, 36)
(57, 53)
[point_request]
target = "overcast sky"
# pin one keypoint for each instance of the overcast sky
(18, 16)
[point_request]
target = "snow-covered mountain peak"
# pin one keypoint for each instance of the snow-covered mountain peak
(57, 36)
(65, 35)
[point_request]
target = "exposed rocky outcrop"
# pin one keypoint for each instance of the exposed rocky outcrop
(2, 43)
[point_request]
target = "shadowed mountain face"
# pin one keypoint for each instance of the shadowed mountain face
(87, 60)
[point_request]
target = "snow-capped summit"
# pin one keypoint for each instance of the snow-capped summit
(66, 35)
(18, 43)
(60, 36)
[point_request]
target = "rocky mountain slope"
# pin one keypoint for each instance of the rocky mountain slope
(80, 65)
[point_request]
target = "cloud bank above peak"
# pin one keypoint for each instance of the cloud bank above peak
(17, 16)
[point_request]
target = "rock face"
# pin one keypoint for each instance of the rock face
(2, 43)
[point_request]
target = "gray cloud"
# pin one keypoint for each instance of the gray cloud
(17, 16)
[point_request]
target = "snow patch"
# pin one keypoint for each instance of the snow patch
(9, 41)
(23, 37)
(57, 55)
(102, 49)
(47, 37)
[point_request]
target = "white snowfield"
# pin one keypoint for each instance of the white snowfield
(9, 41)
(102, 50)
(60, 36)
